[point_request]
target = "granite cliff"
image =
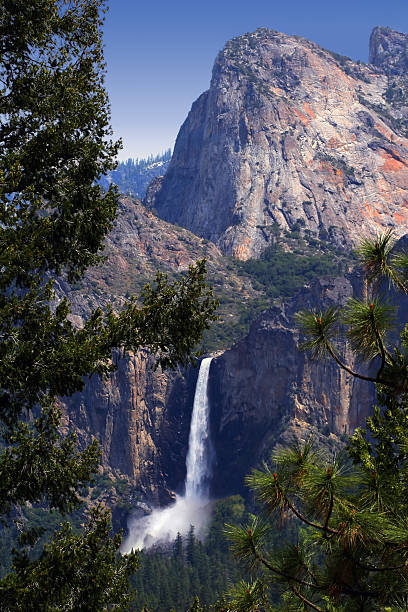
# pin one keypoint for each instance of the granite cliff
(289, 132)
(388, 51)
(141, 415)
(291, 143)
(265, 391)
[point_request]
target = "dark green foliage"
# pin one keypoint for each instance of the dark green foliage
(338, 163)
(351, 554)
(32, 530)
(283, 269)
(178, 548)
(39, 464)
(247, 596)
(319, 327)
(101, 483)
(196, 606)
(54, 138)
(379, 261)
(282, 273)
(54, 147)
(234, 320)
(74, 572)
(368, 325)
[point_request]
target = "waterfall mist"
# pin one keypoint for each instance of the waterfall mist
(192, 508)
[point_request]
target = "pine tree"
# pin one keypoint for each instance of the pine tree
(351, 552)
(55, 144)
(191, 546)
(178, 548)
(196, 606)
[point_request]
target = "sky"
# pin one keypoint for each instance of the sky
(160, 54)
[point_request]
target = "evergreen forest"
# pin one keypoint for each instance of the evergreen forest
(133, 176)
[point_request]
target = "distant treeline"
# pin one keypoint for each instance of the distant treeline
(134, 175)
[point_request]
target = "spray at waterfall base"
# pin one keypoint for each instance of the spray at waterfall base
(194, 507)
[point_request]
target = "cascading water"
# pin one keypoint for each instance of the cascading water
(193, 508)
(199, 450)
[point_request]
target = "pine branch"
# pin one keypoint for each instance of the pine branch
(329, 511)
(320, 328)
(371, 568)
(273, 569)
(303, 518)
(350, 371)
(396, 280)
(306, 601)
(348, 590)
(380, 346)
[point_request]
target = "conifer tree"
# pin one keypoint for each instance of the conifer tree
(196, 606)
(55, 144)
(191, 546)
(352, 550)
(178, 548)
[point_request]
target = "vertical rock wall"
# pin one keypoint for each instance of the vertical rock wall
(289, 131)
(265, 391)
(140, 416)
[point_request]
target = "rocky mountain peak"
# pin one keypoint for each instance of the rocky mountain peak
(290, 133)
(389, 51)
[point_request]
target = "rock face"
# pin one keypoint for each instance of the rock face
(138, 245)
(288, 131)
(141, 417)
(265, 391)
(262, 391)
(152, 190)
(389, 51)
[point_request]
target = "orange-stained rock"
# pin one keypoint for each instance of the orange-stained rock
(139, 415)
(285, 123)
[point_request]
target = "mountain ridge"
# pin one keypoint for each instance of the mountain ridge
(289, 131)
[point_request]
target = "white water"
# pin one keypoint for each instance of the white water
(193, 507)
(199, 451)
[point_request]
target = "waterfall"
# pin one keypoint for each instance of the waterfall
(199, 449)
(193, 508)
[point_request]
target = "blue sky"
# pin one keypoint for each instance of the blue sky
(160, 54)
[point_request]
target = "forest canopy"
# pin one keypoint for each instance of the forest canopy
(55, 144)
